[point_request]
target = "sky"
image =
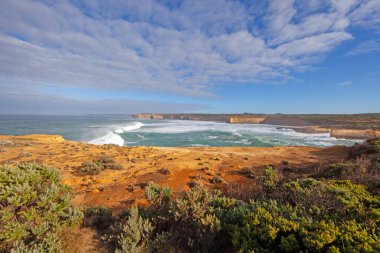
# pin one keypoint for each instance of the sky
(201, 56)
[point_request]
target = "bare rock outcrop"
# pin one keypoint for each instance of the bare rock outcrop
(246, 119)
(355, 133)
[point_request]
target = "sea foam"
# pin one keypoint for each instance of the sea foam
(113, 137)
(190, 133)
(110, 138)
(131, 126)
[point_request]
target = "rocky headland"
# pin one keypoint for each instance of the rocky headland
(355, 126)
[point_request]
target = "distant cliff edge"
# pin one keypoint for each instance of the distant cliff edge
(349, 126)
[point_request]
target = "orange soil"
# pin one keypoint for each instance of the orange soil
(120, 189)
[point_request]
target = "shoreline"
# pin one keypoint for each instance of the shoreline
(176, 167)
(338, 126)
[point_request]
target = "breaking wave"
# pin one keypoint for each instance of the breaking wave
(113, 136)
(206, 133)
(110, 138)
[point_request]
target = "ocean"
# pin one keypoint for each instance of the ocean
(123, 130)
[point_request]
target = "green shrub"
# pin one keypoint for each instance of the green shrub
(104, 163)
(270, 179)
(106, 160)
(34, 206)
(216, 180)
(363, 170)
(247, 172)
(195, 222)
(307, 215)
(99, 217)
(369, 147)
(133, 235)
(273, 227)
(158, 196)
(91, 168)
(304, 215)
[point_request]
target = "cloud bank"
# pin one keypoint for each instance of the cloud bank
(181, 47)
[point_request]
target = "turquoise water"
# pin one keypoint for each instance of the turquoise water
(123, 130)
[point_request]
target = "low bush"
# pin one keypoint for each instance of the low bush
(133, 235)
(99, 217)
(25, 154)
(106, 160)
(104, 163)
(91, 168)
(34, 206)
(247, 172)
(361, 167)
(164, 171)
(305, 215)
(369, 147)
(216, 180)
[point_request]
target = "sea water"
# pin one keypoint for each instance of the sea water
(123, 130)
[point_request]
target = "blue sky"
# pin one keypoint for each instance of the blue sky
(211, 56)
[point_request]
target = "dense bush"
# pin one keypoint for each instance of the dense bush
(306, 215)
(367, 148)
(361, 167)
(310, 216)
(91, 168)
(99, 217)
(34, 205)
(104, 163)
(132, 235)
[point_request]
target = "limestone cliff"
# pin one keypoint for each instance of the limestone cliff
(355, 126)
(148, 116)
(311, 130)
(246, 119)
(355, 133)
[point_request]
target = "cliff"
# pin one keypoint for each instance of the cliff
(355, 133)
(148, 116)
(312, 130)
(246, 119)
(183, 116)
(351, 126)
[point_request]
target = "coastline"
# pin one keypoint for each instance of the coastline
(355, 126)
(340, 133)
(121, 188)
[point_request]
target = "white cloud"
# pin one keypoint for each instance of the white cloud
(365, 48)
(345, 83)
(367, 15)
(187, 48)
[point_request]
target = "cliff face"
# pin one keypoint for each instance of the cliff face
(360, 126)
(246, 119)
(148, 116)
(312, 130)
(355, 134)
(284, 120)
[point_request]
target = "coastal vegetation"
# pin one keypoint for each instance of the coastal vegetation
(204, 221)
(104, 163)
(302, 215)
(34, 207)
(335, 209)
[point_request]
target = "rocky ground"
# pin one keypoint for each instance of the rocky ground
(227, 168)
